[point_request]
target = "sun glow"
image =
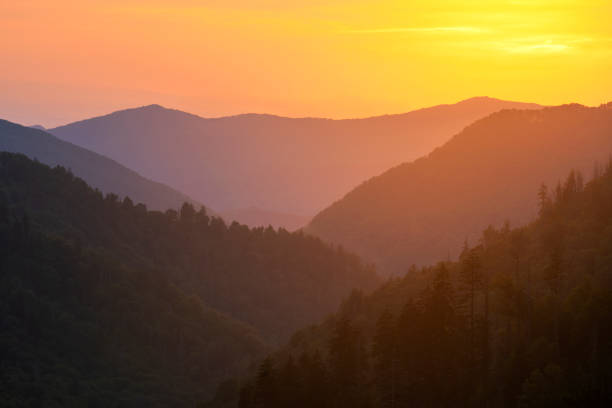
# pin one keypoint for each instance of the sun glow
(335, 58)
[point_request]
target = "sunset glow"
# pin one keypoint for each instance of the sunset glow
(65, 60)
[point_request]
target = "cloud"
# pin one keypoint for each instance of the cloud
(538, 45)
(450, 29)
(541, 47)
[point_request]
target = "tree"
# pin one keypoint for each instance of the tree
(187, 212)
(289, 388)
(439, 340)
(385, 353)
(544, 200)
(544, 389)
(411, 359)
(348, 364)
(315, 379)
(471, 279)
(266, 385)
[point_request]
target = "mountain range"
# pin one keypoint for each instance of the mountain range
(99, 171)
(425, 210)
(289, 167)
(106, 299)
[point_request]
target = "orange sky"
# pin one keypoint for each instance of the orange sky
(65, 60)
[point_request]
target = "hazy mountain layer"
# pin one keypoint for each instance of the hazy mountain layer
(100, 172)
(423, 211)
(276, 164)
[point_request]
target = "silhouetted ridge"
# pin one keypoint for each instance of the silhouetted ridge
(100, 172)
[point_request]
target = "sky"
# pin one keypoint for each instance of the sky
(62, 61)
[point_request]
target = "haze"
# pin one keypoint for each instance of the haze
(64, 60)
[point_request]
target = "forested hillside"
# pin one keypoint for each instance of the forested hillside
(423, 211)
(523, 318)
(271, 279)
(98, 171)
(81, 328)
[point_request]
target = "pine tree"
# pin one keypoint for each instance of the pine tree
(266, 385)
(348, 364)
(471, 278)
(385, 353)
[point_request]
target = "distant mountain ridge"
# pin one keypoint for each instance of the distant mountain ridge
(101, 172)
(424, 210)
(277, 164)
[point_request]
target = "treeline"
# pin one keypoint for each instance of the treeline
(103, 303)
(523, 319)
(274, 280)
(80, 329)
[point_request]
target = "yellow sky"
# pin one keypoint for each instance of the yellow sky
(64, 60)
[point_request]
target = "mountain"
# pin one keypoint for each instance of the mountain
(99, 171)
(423, 211)
(522, 319)
(273, 280)
(103, 301)
(80, 327)
(279, 165)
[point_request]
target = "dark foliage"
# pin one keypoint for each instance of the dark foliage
(79, 329)
(103, 303)
(523, 319)
(273, 280)
(98, 171)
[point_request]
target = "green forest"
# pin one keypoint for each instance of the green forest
(521, 319)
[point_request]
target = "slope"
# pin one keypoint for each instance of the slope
(81, 328)
(99, 171)
(276, 164)
(423, 211)
(520, 320)
(275, 281)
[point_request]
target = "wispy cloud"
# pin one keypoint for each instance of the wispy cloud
(449, 29)
(533, 45)
(548, 46)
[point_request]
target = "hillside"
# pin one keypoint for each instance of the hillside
(105, 301)
(100, 172)
(423, 211)
(273, 280)
(522, 319)
(82, 328)
(279, 165)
